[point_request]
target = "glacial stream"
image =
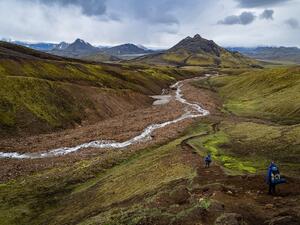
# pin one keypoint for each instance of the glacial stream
(192, 110)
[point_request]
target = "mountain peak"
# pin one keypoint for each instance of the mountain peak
(197, 36)
(126, 49)
(79, 41)
(197, 44)
(78, 47)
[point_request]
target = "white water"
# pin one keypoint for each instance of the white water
(192, 110)
(161, 99)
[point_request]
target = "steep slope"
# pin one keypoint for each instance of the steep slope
(12, 51)
(270, 94)
(198, 51)
(284, 54)
(40, 92)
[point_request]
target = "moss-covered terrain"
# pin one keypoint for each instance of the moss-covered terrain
(42, 93)
(272, 94)
(260, 120)
(249, 147)
(163, 184)
(117, 189)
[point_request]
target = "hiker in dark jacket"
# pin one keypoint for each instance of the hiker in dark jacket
(207, 160)
(273, 178)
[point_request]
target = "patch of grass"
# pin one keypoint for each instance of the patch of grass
(249, 147)
(91, 187)
(263, 143)
(213, 144)
(39, 98)
(178, 57)
(270, 94)
(205, 203)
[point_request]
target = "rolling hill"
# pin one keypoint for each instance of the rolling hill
(198, 51)
(254, 119)
(40, 92)
(41, 46)
(271, 94)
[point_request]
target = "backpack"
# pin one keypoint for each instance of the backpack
(275, 175)
(207, 159)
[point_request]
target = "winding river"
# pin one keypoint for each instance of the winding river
(192, 110)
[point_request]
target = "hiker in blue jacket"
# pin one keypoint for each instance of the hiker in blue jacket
(273, 178)
(207, 160)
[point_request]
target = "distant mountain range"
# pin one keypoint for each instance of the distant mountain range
(189, 51)
(43, 46)
(79, 48)
(127, 49)
(284, 54)
(197, 51)
(84, 50)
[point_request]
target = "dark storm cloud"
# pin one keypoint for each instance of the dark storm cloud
(293, 23)
(88, 7)
(259, 3)
(244, 18)
(155, 11)
(267, 14)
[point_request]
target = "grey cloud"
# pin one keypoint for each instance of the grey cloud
(259, 3)
(267, 14)
(155, 11)
(244, 18)
(149, 22)
(88, 7)
(293, 23)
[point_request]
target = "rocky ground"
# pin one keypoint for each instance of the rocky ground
(198, 196)
(119, 128)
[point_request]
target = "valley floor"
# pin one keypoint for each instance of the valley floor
(162, 181)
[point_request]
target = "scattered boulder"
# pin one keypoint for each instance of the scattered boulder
(230, 219)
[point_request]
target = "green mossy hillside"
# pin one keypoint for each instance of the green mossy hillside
(41, 93)
(272, 94)
(114, 188)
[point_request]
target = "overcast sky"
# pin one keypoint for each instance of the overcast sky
(156, 23)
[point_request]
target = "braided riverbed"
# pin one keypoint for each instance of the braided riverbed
(192, 110)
